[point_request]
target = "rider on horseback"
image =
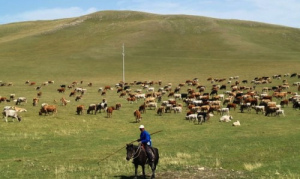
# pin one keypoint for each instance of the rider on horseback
(145, 140)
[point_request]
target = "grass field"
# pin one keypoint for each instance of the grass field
(168, 48)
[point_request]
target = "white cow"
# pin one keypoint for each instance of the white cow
(225, 118)
(191, 117)
(11, 113)
(177, 109)
(279, 111)
(237, 123)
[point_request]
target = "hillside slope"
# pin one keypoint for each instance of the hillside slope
(95, 42)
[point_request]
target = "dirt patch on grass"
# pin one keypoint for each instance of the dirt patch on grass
(201, 172)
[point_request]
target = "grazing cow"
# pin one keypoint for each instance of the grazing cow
(18, 109)
(78, 98)
(246, 106)
(222, 111)
(72, 93)
(118, 106)
(108, 88)
(92, 107)
(35, 101)
(177, 109)
(142, 108)
(61, 90)
(259, 109)
(3, 99)
(138, 116)
(191, 117)
(11, 113)
(270, 110)
(12, 96)
(225, 118)
(131, 99)
(237, 123)
(100, 106)
(20, 100)
(231, 105)
(64, 101)
(109, 111)
(151, 105)
(48, 109)
(284, 102)
(79, 109)
(32, 83)
(160, 110)
(205, 116)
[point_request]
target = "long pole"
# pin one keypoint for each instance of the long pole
(123, 63)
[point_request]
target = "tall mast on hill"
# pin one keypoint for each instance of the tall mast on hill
(123, 64)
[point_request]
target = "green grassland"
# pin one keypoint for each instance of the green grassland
(171, 48)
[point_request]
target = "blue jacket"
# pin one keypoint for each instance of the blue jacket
(145, 138)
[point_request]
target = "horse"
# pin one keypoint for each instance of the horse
(139, 156)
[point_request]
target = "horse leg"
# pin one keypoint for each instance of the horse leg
(135, 171)
(153, 167)
(144, 175)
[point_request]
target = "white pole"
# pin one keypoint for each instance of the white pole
(123, 64)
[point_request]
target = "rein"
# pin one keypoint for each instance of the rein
(139, 149)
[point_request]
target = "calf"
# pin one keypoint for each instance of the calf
(109, 111)
(92, 107)
(237, 123)
(11, 113)
(20, 100)
(138, 116)
(79, 109)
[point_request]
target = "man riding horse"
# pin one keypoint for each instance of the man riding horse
(145, 140)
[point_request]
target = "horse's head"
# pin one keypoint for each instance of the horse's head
(130, 151)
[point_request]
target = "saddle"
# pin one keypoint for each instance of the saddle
(151, 150)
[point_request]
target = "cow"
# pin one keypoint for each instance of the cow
(35, 101)
(259, 109)
(18, 109)
(118, 106)
(231, 105)
(131, 99)
(109, 111)
(284, 102)
(279, 111)
(191, 117)
(3, 99)
(20, 100)
(205, 116)
(160, 110)
(151, 105)
(138, 116)
(79, 109)
(39, 94)
(225, 118)
(100, 106)
(237, 123)
(270, 110)
(142, 108)
(48, 109)
(92, 107)
(61, 90)
(11, 113)
(64, 101)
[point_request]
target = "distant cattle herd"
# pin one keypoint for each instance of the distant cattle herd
(199, 101)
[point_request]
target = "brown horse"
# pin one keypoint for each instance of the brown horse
(139, 156)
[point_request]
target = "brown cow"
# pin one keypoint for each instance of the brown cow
(48, 109)
(160, 110)
(109, 111)
(118, 106)
(79, 109)
(61, 90)
(231, 105)
(284, 102)
(35, 101)
(138, 116)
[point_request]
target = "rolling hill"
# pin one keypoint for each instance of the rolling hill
(91, 45)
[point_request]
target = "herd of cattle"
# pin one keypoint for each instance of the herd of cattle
(200, 102)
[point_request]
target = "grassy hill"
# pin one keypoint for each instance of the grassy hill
(161, 42)
(171, 48)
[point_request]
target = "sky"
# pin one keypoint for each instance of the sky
(279, 12)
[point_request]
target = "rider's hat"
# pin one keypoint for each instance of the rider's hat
(141, 127)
